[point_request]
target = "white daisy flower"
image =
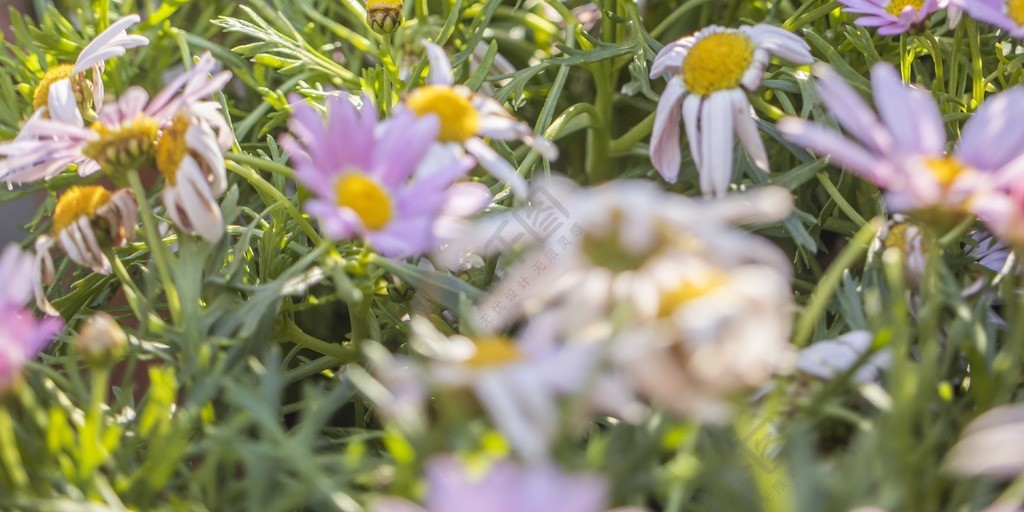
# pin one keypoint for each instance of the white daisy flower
(64, 94)
(467, 118)
(517, 382)
(615, 246)
(827, 359)
(709, 75)
(88, 219)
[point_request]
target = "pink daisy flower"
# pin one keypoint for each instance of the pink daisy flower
(387, 182)
(22, 336)
(891, 17)
(1005, 14)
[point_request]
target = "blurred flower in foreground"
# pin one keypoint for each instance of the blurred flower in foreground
(124, 136)
(1004, 14)
(384, 16)
(990, 445)
(22, 336)
(466, 118)
(452, 486)
(387, 182)
(904, 153)
(89, 219)
(65, 95)
(518, 382)
(1001, 207)
(709, 73)
(624, 244)
(828, 359)
(891, 16)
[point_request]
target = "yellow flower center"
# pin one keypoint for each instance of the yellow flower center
(42, 92)
(494, 351)
(1015, 10)
(383, 4)
(945, 169)
(459, 120)
(689, 289)
(717, 62)
(366, 197)
(123, 144)
(895, 7)
(77, 202)
(171, 148)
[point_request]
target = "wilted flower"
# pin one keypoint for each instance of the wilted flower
(88, 219)
(1005, 14)
(709, 73)
(990, 445)
(125, 134)
(452, 486)
(827, 359)
(22, 336)
(904, 153)
(386, 182)
(384, 16)
(64, 94)
(466, 118)
(892, 16)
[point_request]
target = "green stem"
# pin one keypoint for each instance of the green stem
(634, 135)
(92, 431)
(261, 163)
(342, 353)
(854, 251)
(977, 74)
(264, 186)
(132, 293)
(599, 138)
(157, 248)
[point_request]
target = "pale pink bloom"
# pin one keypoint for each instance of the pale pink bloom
(1004, 14)
(62, 101)
(990, 445)
(467, 118)
(124, 133)
(902, 148)
(22, 336)
(505, 487)
(891, 16)
(709, 75)
(828, 359)
(387, 182)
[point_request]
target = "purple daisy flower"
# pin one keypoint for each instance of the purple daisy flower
(22, 336)
(386, 182)
(891, 17)
(1005, 14)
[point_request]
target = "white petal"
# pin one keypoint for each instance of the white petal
(717, 143)
(666, 155)
(497, 166)
(440, 66)
(61, 103)
(746, 129)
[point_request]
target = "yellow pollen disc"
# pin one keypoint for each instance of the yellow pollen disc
(77, 202)
(40, 96)
(717, 62)
(897, 237)
(125, 141)
(494, 351)
(690, 289)
(365, 197)
(945, 169)
(1015, 10)
(383, 4)
(171, 149)
(895, 7)
(459, 120)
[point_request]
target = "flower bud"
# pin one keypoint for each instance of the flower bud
(384, 16)
(101, 339)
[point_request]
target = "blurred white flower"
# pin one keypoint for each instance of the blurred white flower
(990, 445)
(828, 359)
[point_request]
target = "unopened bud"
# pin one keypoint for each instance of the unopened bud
(384, 16)
(101, 339)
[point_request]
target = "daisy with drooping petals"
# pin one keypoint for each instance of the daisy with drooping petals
(891, 16)
(466, 118)
(88, 219)
(505, 487)
(386, 182)
(22, 336)
(125, 134)
(902, 148)
(709, 75)
(1005, 14)
(65, 95)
